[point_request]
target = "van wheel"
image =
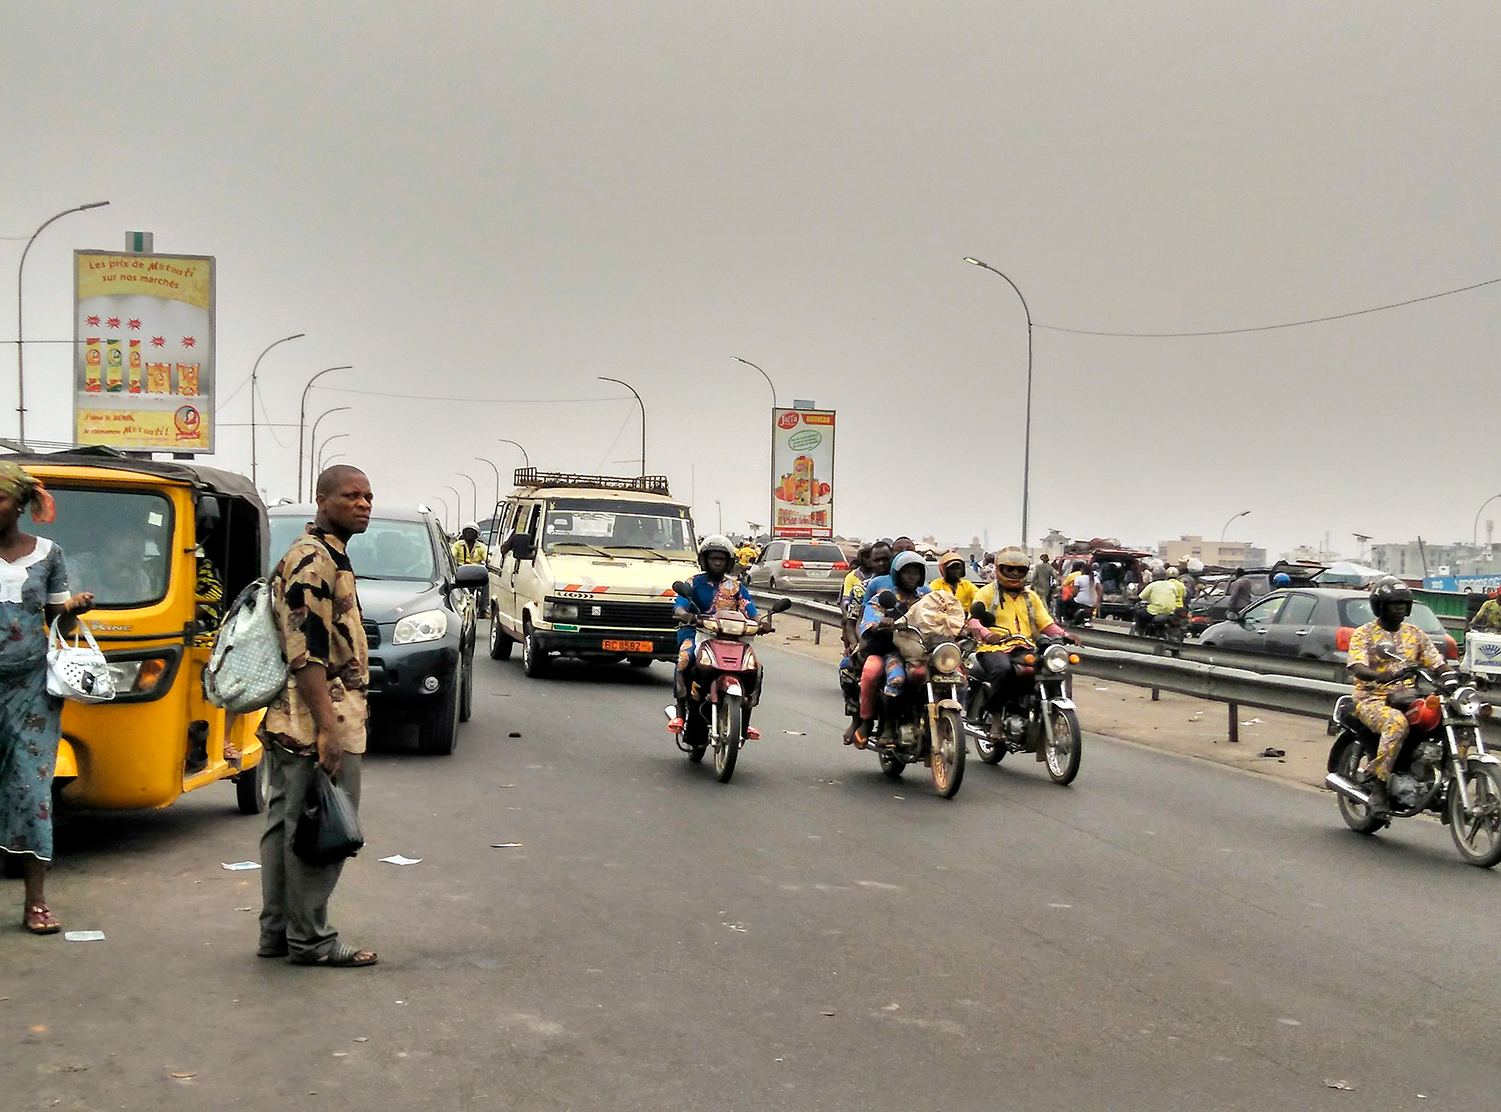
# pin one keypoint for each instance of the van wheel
(466, 697)
(438, 733)
(250, 789)
(500, 640)
(533, 656)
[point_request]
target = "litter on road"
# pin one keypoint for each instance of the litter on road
(398, 859)
(237, 866)
(505, 845)
(84, 936)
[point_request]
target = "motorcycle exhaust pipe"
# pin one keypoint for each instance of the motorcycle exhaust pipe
(1345, 788)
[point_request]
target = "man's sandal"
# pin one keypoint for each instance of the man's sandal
(38, 919)
(342, 956)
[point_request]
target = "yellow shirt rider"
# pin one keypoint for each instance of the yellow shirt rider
(469, 549)
(951, 579)
(1019, 615)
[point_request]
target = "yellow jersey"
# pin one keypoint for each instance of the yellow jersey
(964, 592)
(1023, 614)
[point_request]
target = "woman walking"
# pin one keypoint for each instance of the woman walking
(33, 592)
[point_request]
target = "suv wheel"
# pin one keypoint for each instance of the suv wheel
(466, 693)
(438, 733)
(533, 655)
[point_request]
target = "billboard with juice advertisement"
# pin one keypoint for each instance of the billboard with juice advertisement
(802, 473)
(143, 331)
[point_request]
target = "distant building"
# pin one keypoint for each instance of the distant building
(1224, 554)
(1309, 554)
(1408, 561)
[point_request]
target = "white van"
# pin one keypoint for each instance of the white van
(583, 566)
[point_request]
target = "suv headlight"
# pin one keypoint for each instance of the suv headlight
(428, 625)
(560, 611)
(1468, 702)
(1055, 658)
(946, 657)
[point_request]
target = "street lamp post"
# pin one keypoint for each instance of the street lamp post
(21, 320)
(474, 501)
(1232, 521)
(458, 500)
(326, 443)
(302, 420)
(771, 468)
(254, 372)
(444, 503)
(1475, 539)
(313, 447)
(495, 469)
(1027, 436)
(525, 459)
(642, 404)
(718, 506)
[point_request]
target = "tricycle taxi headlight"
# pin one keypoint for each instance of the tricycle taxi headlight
(1468, 702)
(1055, 659)
(427, 625)
(946, 657)
(137, 677)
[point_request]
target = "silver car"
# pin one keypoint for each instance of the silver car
(800, 566)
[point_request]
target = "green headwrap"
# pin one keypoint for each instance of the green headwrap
(27, 490)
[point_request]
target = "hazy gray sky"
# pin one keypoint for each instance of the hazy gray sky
(505, 200)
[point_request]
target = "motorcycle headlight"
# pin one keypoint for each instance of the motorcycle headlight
(946, 657)
(1055, 658)
(560, 611)
(427, 625)
(1468, 702)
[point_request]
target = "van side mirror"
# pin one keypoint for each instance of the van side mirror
(522, 547)
(781, 606)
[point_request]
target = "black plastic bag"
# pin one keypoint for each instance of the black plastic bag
(328, 830)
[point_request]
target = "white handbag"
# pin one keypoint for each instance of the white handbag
(78, 671)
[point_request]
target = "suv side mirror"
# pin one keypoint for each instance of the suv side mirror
(472, 575)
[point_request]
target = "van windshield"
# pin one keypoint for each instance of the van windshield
(618, 529)
(116, 543)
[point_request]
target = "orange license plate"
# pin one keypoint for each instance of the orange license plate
(628, 646)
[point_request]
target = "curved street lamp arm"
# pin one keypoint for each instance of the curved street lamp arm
(642, 404)
(302, 419)
(1027, 438)
(495, 469)
(764, 375)
(21, 319)
(254, 371)
(1231, 522)
(526, 459)
(1475, 538)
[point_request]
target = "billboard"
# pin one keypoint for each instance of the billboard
(802, 472)
(143, 342)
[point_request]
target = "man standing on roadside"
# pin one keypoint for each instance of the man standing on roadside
(320, 719)
(1238, 597)
(1045, 580)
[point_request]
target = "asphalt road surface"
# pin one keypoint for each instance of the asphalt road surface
(1162, 935)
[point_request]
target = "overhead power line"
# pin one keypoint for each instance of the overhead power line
(1268, 327)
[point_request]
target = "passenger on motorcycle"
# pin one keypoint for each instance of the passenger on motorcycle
(951, 568)
(1160, 596)
(1018, 614)
(880, 659)
(1384, 686)
(712, 590)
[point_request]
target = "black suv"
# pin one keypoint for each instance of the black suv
(419, 618)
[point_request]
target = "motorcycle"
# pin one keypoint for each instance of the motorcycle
(723, 685)
(1443, 767)
(925, 722)
(1041, 720)
(1172, 628)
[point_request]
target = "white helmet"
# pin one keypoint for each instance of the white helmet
(716, 543)
(471, 525)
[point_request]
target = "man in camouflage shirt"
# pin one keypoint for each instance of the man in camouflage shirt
(320, 719)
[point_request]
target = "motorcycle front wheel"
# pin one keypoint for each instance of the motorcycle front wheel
(891, 767)
(1063, 753)
(1477, 829)
(948, 753)
(727, 740)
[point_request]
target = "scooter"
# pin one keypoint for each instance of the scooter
(725, 682)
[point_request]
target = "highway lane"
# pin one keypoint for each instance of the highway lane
(1164, 934)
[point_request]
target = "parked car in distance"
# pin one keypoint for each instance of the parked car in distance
(419, 618)
(1313, 622)
(788, 565)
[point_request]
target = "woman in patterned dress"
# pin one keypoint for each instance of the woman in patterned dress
(33, 592)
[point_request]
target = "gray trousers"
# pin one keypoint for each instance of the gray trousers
(294, 894)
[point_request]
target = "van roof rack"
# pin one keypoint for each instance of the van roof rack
(642, 484)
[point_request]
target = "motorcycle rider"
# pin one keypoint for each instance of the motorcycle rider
(713, 589)
(1159, 597)
(1383, 686)
(880, 659)
(951, 571)
(1018, 612)
(469, 549)
(1488, 618)
(1175, 578)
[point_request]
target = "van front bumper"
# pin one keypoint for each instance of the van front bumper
(664, 645)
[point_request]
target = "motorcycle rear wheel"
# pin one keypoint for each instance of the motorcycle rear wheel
(1477, 831)
(948, 754)
(727, 740)
(1061, 757)
(1357, 816)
